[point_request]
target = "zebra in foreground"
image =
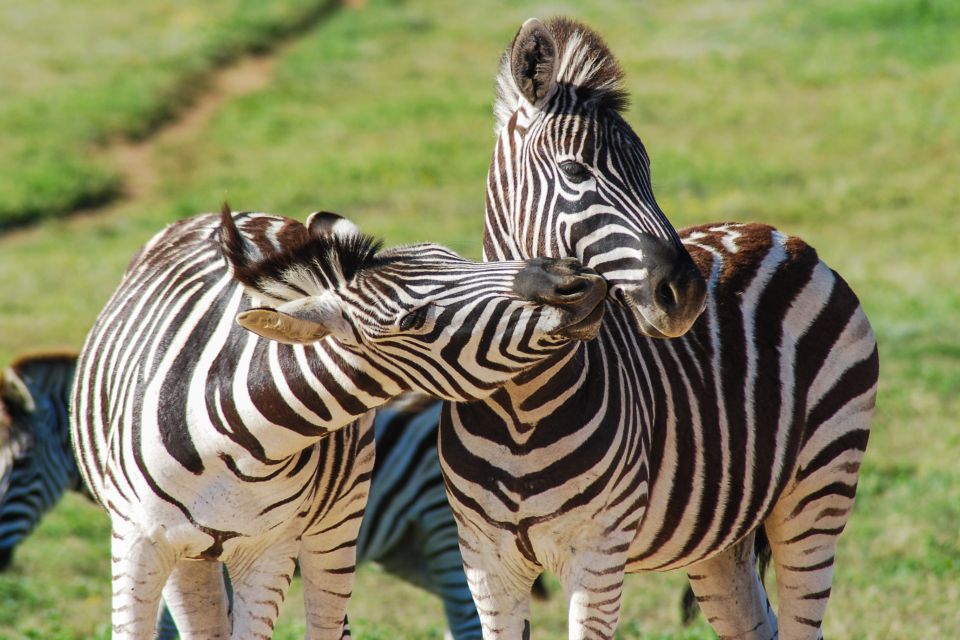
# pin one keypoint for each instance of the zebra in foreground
(633, 453)
(408, 527)
(207, 444)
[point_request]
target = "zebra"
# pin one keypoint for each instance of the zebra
(408, 527)
(634, 453)
(36, 389)
(215, 408)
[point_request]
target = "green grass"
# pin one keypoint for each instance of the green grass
(833, 121)
(77, 75)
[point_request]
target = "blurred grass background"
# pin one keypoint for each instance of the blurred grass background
(834, 121)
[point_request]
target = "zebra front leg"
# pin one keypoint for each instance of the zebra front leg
(260, 580)
(197, 598)
(327, 567)
(593, 581)
(140, 568)
(731, 596)
(500, 582)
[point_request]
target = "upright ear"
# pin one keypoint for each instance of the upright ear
(533, 62)
(325, 223)
(14, 394)
(301, 321)
(14, 391)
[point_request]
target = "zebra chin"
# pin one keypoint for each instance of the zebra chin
(586, 328)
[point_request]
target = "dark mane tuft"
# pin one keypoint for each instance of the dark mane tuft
(328, 260)
(603, 85)
(583, 61)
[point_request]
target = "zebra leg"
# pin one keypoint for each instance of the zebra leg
(593, 581)
(803, 529)
(260, 579)
(140, 568)
(196, 596)
(327, 567)
(445, 567)
(731, 596)
(500, 583)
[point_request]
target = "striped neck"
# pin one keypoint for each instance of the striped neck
(307, 392)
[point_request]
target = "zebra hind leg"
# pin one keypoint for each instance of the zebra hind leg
(140, 568)
(197, 598)
(804, 528)
(731, 596)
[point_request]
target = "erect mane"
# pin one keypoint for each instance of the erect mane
(583, 61)
(304, 264)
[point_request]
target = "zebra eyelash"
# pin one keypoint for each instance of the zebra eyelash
(575, 172)
(415, 318)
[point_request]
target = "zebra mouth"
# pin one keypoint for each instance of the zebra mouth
(588, 327)
(628, 302)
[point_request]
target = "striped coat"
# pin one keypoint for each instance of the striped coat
(636, 453)
(210, 440)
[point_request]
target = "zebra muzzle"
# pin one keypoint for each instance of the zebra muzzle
(576, 291)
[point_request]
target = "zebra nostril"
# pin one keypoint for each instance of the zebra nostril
(574, 287)
(666, 295)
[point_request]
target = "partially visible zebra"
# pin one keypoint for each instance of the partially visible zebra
(635, 453)
(207, 444)
(408, 527)
(34, 392)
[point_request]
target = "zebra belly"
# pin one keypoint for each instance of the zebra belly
(204, 516)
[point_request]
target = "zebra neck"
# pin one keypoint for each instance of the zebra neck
(295, 395)
(535, 405)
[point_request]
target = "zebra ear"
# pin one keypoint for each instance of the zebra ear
(14, 391)
(325, 223)
(533, 62)
(302, 321)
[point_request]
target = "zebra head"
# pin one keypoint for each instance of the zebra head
(421, 318)
(569, 177)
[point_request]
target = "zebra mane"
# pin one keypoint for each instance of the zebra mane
(583, 61)
(305, 264)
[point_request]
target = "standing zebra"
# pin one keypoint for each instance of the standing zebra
(207, 444)
(637, 454)
(408, 527)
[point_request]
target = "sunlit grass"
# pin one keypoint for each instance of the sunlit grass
(833, 121)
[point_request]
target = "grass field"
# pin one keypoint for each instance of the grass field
(834, 121)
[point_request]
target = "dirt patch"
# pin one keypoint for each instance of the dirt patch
(135, 160)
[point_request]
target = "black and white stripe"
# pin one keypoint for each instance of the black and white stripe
(640, 454)
(43, 466)
(210, 445)
(408, 527)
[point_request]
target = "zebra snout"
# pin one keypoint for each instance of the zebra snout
(563, 283)
(668, 302)
(566, 284)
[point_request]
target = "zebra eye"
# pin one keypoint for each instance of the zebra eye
(414, 319)
(576, 172)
